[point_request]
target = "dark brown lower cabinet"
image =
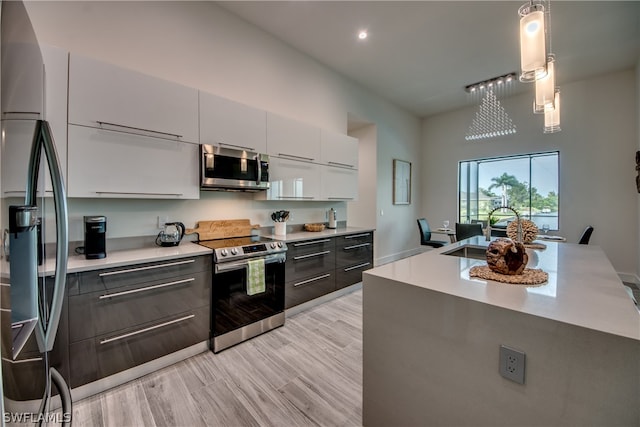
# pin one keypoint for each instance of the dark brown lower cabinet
(320, 266)
(112, 320)
(108, 354)
(354, 254)
(309, 288)
(123, 317)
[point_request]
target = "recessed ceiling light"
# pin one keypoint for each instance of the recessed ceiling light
(363, 34)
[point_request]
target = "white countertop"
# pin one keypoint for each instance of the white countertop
(583, 288)
(78, 263)
(327, 232)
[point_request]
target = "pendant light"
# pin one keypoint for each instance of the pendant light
(545, 88)
(552, 117)
(533, 49)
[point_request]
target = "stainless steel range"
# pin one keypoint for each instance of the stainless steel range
(247, 288)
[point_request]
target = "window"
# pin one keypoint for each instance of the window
(528, 183)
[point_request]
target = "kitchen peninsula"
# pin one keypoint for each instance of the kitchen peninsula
(432, 334)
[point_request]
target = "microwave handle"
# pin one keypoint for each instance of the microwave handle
(259, 169)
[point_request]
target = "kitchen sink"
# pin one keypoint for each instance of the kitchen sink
(468, 251)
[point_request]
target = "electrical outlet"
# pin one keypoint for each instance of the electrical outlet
(512, 363)
(162, 220)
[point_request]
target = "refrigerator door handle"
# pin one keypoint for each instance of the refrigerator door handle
(43, 140)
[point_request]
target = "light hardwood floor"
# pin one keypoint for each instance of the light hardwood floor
(306, 373)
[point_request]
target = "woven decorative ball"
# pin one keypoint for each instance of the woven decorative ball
(314, 227)
(529, 230)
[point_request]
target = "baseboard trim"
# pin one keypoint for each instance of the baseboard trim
(321, 300)
(399, 255)
(629, 278)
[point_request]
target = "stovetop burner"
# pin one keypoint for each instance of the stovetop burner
(234, 248)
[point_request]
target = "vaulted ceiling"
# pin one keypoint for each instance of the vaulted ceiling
(421, 54)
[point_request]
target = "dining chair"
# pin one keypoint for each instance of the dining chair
(425, 235)
(464, 231)
(586, 235)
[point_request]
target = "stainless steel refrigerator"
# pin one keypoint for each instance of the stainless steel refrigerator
(35, 232)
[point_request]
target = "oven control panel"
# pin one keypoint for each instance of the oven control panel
(239, 252)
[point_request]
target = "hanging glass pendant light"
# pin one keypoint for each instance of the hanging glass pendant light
(545, 88)
(552, 117)
(533, 49)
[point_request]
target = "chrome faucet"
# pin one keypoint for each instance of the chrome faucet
(518, 236)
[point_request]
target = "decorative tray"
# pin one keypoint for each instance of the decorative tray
(314, 227)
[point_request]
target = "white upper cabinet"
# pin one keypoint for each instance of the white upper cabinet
(106, 96)
(292, 139)
(339, 183)
(293, 180)
(232, 125)
(18, 134)
(119, 165)
(339, 150)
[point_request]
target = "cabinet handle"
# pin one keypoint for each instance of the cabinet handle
(150, 328)
(296, 197)
(357, 266)
(361, 245)
(238, 146)
(341, 198)
(16, 362)
(311, 255)
(355, 236)
(312, 243)
(304, 282)
(148, 267)
(341, 164)
(164, 134)
(139, 194)
(310, 159)
(146, 288)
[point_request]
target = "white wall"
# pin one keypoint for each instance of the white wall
(597, 147)
(201, 45)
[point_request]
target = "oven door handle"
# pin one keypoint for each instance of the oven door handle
(231, 266)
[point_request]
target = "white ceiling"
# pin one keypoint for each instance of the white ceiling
(421, 54)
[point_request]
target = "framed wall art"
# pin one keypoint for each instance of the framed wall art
(401, 182)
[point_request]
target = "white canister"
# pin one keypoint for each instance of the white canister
(280, 228)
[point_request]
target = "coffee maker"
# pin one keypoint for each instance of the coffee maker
(95, 231)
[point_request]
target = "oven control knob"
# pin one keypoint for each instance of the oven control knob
(279, 244)
(273, 245)
(234, 251)
(223, 252)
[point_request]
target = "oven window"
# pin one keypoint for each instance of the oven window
(233, 308)
(227, 167)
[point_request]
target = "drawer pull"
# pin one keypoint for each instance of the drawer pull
(146, 288)
(361, 245)
(310, 159)
(149, 267)
(150, 328)
(16, 362)
(296, 197)
(311, 255)
(252, 149)
(304, 282)
(355, 267)
(311, 243)
(164, 135)
(124, 193)
(341, 164)
(355, 236)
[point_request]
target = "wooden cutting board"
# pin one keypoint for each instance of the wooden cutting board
(221, 229)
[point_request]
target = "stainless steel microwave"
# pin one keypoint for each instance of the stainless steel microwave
(230, 169)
